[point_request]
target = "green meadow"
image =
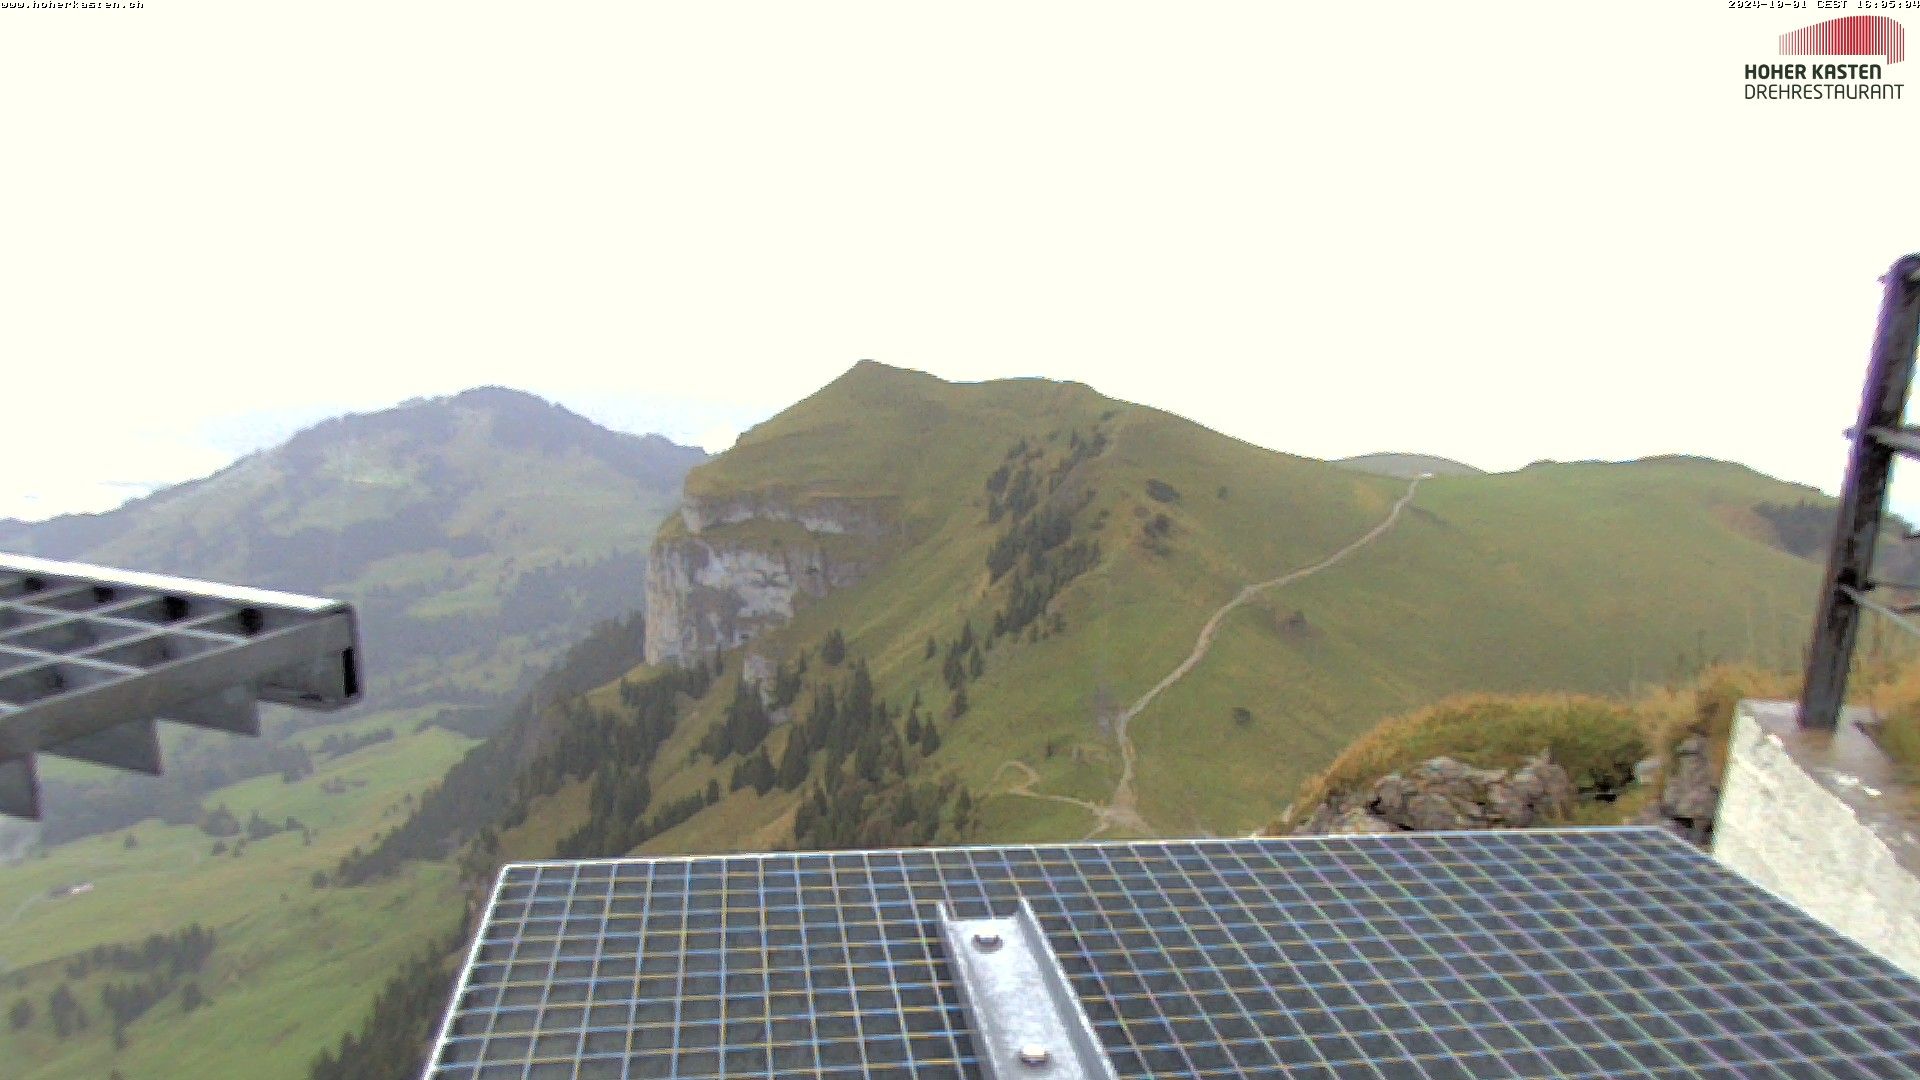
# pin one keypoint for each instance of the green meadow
(293, 966)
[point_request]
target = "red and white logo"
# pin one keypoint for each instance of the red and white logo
(1855, 35)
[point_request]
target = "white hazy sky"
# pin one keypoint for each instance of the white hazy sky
(1494, 231)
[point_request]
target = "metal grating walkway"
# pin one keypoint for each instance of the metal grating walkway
(91, 658)
(1581, 953)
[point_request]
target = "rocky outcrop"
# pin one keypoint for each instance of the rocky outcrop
(1442, 793)
(738, 566)
(763, 674)
(1354, 820)
(1445, 794)
(1690, 795)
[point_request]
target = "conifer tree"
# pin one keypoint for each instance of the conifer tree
(760, 772)
(793, 761)
(746, 725)
(859, 704)
(68, 1016)
(823, 717)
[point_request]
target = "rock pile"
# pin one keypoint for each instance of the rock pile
(1442, 793)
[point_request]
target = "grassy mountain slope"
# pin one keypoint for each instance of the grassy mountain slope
(481, 535)
(1600, 740)
(1588, 578)
(1579, 577)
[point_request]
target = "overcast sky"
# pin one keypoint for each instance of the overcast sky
(1494, 231)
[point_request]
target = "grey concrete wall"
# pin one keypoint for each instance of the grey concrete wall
(1796, 821)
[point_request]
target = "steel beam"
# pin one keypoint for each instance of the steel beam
(91, 657)
(1027, 1020)
(133, 746)
(1878, 433)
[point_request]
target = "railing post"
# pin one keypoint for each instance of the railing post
(1877, 433)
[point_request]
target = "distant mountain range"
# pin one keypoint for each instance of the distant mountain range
(478, 534)
(481, 515)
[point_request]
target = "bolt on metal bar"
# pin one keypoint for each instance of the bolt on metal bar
(1027, 1021)
(1878, 433)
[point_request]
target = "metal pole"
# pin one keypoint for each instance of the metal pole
(1863, 496)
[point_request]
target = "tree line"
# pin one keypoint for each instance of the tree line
(511, 766)
(158, 965)
(617, 751)
(866, 792)
(1038, 552)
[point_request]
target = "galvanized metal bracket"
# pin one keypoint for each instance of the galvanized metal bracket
(1027, 1021)
(92, 657)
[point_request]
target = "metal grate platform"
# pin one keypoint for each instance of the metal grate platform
(1578, 953)
(91, 658)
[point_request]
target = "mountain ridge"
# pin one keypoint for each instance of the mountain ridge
(1182, 517)
(76, 531)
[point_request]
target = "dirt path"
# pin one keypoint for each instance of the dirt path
(1028, 778)
(1122, 811)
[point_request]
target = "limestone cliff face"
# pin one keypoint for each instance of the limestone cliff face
(825, 516)
(732, 567)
